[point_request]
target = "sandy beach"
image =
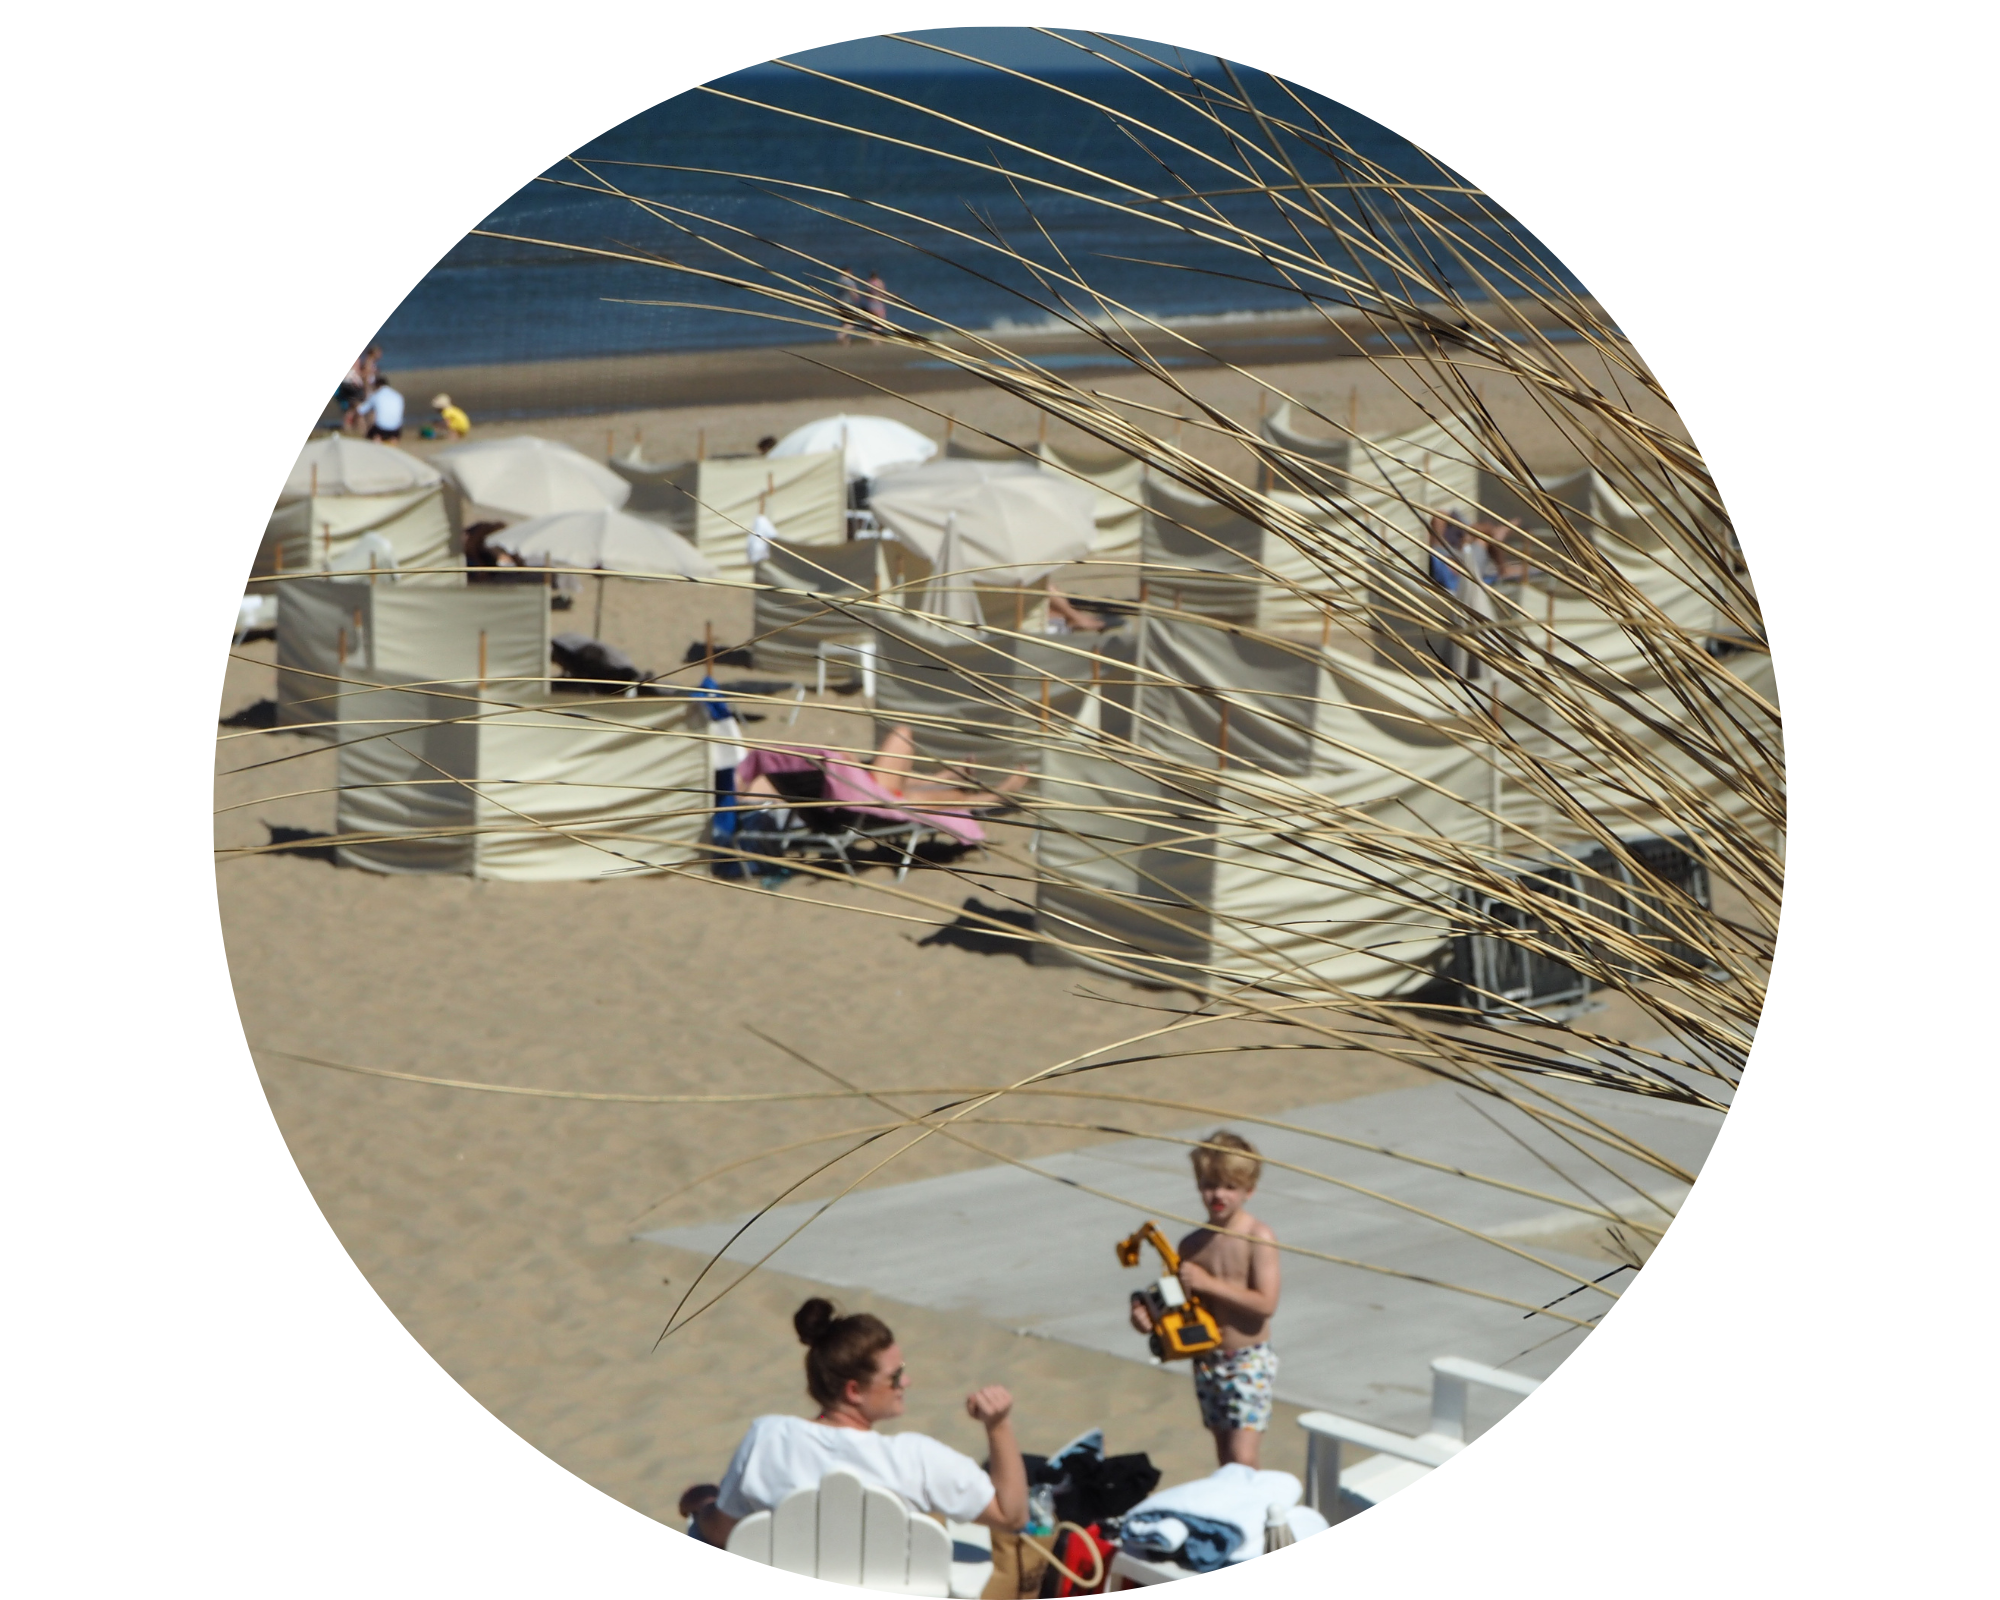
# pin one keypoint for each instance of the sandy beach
(499, 1230)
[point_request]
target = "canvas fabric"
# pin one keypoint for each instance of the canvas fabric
(332, 629)
(311, 533)
(1219, 885)
(789, 626)
(663, 490)
(527, 790)
(1117, 485)
(804, 496)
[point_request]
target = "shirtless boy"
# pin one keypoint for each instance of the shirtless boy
(1232, 1264)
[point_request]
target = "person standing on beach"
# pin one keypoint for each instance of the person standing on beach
(878, 296)
(355, 386)
(384, 411)
(1232, 1264)
(850, 295)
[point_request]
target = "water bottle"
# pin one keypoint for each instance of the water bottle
(1041, 1511)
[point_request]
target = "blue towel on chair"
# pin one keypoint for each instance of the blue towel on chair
(1202, 1543)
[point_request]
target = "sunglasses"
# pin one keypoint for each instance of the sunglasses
(899, 1379)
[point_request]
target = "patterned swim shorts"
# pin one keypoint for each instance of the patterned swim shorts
(1234, 1387)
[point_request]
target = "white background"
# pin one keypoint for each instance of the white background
(212, 207)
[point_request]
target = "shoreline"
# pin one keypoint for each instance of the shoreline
(675, 379)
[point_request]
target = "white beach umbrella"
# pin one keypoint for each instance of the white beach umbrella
(613, 541)
(871, 445)
(338, 465)
(529, 477)
(1002, 523)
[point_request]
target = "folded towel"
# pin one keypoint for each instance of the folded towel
(1214, 1520)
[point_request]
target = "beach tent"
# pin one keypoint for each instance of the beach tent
(975, 694)
(868, 446)
(522, 788)
(1281, 427)
(791, 623)
(1116, 482)
(614, 541)
(1202, 557)
(660, 489)
(969, 446)
(332, 630)
(1211, 879)
(972, 526)
(805, 497)
(530, 477)
(339, 492)
(1114, 478)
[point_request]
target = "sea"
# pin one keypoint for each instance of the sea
(920, 174)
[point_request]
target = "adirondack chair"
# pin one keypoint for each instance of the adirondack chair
(848, 1532)
(1399, 1459)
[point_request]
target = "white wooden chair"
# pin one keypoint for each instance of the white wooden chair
(1399, 1459)
(849, 1532)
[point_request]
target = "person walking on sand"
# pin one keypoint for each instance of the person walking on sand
(1232, 1264)
(878, 296)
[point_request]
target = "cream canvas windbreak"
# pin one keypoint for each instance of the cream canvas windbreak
(804, 496)
(1338, 778)
(332, 631)
(317, 533)
(529, 789)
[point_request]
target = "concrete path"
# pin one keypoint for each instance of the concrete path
(1032, 1250)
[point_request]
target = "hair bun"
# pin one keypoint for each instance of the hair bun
(812, 1320)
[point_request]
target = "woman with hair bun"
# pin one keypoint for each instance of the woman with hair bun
(855, 1374)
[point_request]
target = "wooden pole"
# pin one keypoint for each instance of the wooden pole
(708, 649)
(1354, 409)
(314, 491)
(950, 422)
(482, 655)
(1325, 628)
(1041, 427)
(701, 444)
(597, 623)
(1045, 705)
(340, 648)
(610, 449)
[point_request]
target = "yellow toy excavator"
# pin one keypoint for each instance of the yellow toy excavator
(1182, 1325)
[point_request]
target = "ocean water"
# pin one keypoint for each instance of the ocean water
(784, 189)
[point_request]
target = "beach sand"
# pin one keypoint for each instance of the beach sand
(498, 1229)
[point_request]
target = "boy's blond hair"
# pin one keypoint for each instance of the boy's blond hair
(1236, 1164)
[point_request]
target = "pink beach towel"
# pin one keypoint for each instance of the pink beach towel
(853, 787)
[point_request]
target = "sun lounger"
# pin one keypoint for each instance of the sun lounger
(840, 808)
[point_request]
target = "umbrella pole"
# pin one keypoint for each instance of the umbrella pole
(597, 626)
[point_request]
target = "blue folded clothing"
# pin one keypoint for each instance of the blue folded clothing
(1198, 1542)
(1212, 1521)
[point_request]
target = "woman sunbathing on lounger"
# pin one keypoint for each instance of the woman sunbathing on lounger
(855, 1374)
(894, 768)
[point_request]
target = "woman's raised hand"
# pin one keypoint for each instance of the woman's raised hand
(989, 1406)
